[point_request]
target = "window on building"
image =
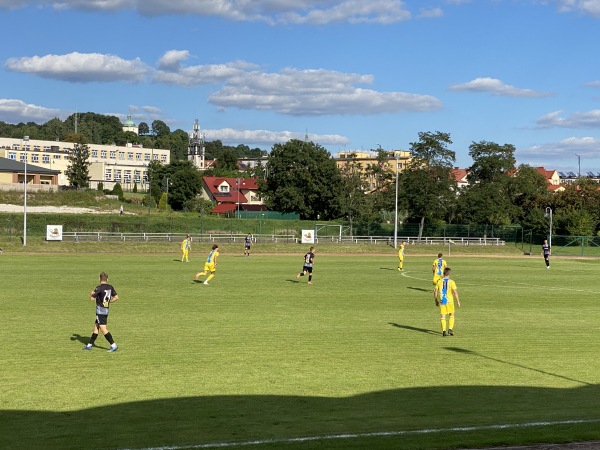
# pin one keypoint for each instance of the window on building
(46, 148)
(46, 159)
(224, 188)
(121, 155)
(113, 154)
(56, 156)
(12, 155)
(35, 158)
(136, 176)
(127, 177)
(145, 177)
(23, 157)
(108, 175)
(117, 175)
(130, 156)
(155, 157)
(36, 148)
(138, 156)
(95, 154)
(163, 158)
(146, 156)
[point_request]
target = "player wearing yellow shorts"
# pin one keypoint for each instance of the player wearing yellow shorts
(210, 266)
(401, 256)
(437, 268)
(444, 295)
(186, 245)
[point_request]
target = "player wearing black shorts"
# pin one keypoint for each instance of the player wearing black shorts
(247, 245)
(307, 268)
(546, 252)
(103, 295)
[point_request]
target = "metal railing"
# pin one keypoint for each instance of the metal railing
(91, 236)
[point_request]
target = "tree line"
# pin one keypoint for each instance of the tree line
(303, 177)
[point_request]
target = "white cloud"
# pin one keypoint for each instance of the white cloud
(589, 119)
(315, 92)
(15, 111)
(589, 7)
(269, 11)
(431, 13)
(496, 87)
(171, 70)
(565, 150)
(266, 137)
(80, 67)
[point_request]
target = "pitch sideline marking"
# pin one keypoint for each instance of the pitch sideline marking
(366, 435)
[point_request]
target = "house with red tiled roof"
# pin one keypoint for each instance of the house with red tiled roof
(460, 175)
(552, 179)
(232, 194)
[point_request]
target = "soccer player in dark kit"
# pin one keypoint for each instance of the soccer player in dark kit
(103, 295)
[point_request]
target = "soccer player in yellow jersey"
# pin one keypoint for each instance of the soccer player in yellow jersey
(401, 256)
(444, 295)
(437, 268)
(186, 246)
(210, 265)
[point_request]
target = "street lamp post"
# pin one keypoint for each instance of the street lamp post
(25, 145)
(549, 214)
(397, 155)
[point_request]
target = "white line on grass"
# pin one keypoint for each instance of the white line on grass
(373, 434)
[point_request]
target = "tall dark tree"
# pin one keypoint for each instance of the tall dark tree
(303, 178)
(78, 172)
(143, 129)
(355, 203)
(427, 186)
(487, 199)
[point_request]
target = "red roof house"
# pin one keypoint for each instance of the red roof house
(231, 194)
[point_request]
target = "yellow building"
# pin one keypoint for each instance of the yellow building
(127, 165)
(397, 161)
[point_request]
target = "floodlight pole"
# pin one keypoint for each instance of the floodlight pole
(25, 145)
(397, 155)
(549, 214)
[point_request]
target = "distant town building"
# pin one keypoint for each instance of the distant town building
(397, 161)
(127, 165)
(129, 125)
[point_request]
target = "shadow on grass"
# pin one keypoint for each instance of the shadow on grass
(479, 355)
(409, 328)
(196, 422)
(85, 339)
(420, 289)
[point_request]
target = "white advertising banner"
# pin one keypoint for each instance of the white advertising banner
(308, 236)
(54, 232)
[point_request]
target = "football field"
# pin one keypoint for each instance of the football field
(258, 359)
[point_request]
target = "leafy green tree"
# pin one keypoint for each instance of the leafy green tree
(529, 195)
(118, 191)
(78, 171)
(186, 184)
(427, 186)
(303, 178)
(487, 199)
(228, 160)
(160, 129)
(356, 205)
(384, 178)
(162, 204)
(179, 145)
(143, 129)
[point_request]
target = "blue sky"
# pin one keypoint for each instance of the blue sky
(353, 74)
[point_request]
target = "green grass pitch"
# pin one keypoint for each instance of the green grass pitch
(354, 361)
